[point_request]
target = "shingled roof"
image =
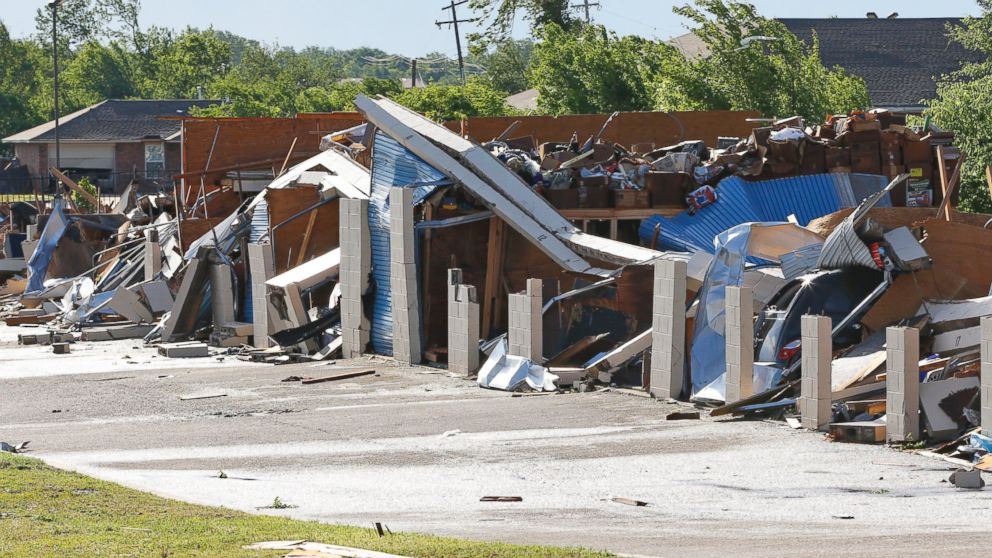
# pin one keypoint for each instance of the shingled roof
(898, 58)
(115, 120)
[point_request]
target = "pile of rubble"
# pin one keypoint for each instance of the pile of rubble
(805, 267)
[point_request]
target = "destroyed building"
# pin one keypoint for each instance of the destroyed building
(817, 273)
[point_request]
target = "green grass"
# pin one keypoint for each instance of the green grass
(50, 512)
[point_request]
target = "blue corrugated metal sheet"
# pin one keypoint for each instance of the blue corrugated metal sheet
(393, 166)
(259, 227)
(739, 201)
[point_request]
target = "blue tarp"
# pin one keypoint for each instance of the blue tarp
(393, 166)
(38, 264)
(739, 201)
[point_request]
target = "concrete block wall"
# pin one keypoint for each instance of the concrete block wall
(525, 337)
(463, 325)
(262, 269)
(153, 254)
(668, 329)
(356, 264)
(902, 384)
(221, 294)
(986, 386)
(403, 278)
(739, 337)
(815, 395)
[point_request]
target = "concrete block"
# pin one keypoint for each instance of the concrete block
(261, 268)
(157, 296)
(405, 301)
(129, 305)
(815, 394)
(153, 258)
(221, 293)
(60, 348)
(667, 371)
(183, 350)
(739, 337)
(902, 393)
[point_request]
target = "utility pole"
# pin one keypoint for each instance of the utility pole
(54, 5)
(413, 73)
(586, 4)
(458, 40)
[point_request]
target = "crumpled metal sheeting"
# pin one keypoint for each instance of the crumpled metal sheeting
(740, 201)
(844, 248)
(42, 256)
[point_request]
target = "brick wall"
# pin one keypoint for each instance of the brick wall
(128, 158)
(35, 157)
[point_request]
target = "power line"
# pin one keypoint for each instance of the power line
(586, 4)
(453, 22)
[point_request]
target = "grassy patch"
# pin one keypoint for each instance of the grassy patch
(49, 512)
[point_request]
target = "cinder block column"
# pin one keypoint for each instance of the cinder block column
(153, 255)
(739, 336)
(356, 264)
(261, 267)
(815, 394)
(403, 277)
(221, 294)
(463, 325)
(28, 247)
(986, 389)
(668, 329)
(902, 384)
(32, 232)
(526, 334)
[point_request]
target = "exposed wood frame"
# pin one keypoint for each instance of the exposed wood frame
(494, 270)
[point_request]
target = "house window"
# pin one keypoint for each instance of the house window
(154, 161)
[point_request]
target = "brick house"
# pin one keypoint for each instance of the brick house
(113, 142)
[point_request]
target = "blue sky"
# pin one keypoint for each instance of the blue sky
(407, 26)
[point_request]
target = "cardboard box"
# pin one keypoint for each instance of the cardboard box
(866, 158)
(593, 198)
(835, 157)
(919, 192)
(891, 149)
(917, 153)
(814, 158)
(667, 188)
(631, 199)
(784, 151)
(564, 199)
(601, 181)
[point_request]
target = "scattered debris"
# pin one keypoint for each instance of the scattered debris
(629, 502)
(683, 415)
(970, 479)
(19, 448)
(339, 376)
(501, 499)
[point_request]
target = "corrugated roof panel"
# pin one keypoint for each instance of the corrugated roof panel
(739, 201)
(393, 166)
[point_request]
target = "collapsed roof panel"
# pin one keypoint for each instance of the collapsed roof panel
(807, 197)
(499, 188)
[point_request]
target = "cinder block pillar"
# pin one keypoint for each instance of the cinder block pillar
(463, 325)
(526, 335)
(32, 232)
(739, 336)
(668, 329)
(986, 389)
(817, 350)
(153, 255)
(28, 247)
(356, 264)
(261, 267)
(902, 384)
(221, 294)
(403, 277)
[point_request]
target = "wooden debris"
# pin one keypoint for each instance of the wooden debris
(501, 499)
(197, 397)
(683, 415)
(863, 432)
(629, 502)
(339, 376)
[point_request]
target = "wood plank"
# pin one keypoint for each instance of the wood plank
(339, 376)
(942, 172)
(606, 213)
(945, 204)
(76, 188)
(306, 237)
(494, 270)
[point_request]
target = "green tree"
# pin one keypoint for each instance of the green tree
(450, 102)
(964, 105)
(194, 59)
(97, 72)
(498, 17)
(506, 64)
(594, 70)
(754, 63)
